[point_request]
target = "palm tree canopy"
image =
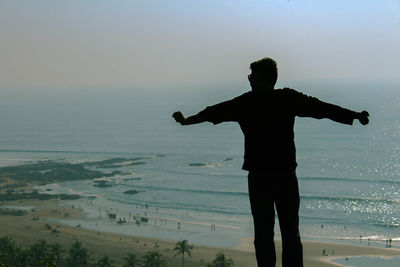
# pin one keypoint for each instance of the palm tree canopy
(221, 261)
(153, 259)
(131, 260)
(183, 247)
(105, 262)
(78, 255)
(6, 244)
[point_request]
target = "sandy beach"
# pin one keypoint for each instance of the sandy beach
(38, 224)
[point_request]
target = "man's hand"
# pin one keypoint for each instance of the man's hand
(178, 116)
(363, 117)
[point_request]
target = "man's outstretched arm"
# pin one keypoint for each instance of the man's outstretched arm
(307, 106)
(224, 111)
(178, 116)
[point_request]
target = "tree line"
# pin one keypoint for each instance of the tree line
(43, 254)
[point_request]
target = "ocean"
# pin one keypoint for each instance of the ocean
(190, 184)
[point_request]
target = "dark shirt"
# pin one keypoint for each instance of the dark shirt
(267, 119)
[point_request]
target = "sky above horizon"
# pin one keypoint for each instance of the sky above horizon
(59, 45)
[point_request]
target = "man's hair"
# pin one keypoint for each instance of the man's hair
(265, 68)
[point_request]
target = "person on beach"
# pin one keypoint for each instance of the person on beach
(266, 117)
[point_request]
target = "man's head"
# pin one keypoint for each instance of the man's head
(264, 74)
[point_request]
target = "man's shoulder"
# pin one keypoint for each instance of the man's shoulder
(286, 90)
(243, 97)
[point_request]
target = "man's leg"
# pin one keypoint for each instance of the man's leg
(287, 206)
(262, 208)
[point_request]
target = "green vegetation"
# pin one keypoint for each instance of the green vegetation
(42, 254)
(51, 255)
(181, 248)
(154, 259)
(46, 172)
(105, 261)
(78, 256)
(131, 260)
(115, 162)
(35, 195)
(221, 261)
(12, 212)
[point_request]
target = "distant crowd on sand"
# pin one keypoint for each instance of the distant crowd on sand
(144, 217)
(56, 211)
(387, 241)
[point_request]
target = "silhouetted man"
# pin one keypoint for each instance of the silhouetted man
(266, 117)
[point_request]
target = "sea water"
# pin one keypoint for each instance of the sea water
(369, 261)
(191, 185)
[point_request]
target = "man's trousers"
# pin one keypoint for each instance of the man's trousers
(279, 189)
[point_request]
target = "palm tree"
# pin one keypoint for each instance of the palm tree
(39, 252)
(105, 262)
(221, 261)
(6, 242)
(183, 247)
(47, 261)
(7, 251)
(153, 259)
(131, 260)
(78, 256)
(21, 257)
(55, 250)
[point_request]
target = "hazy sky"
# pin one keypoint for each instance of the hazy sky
(58, 45)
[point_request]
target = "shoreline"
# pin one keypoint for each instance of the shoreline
(26, 231)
